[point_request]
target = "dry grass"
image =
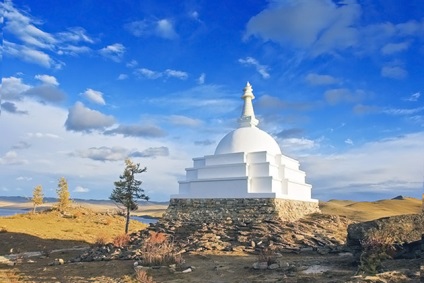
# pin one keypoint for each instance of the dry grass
(159, 250)
(121, 240)
(86, 226)
(101, 240)
(365, 211)
(10, 276)
(142, 277)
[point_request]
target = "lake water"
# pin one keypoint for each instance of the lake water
(9, 212)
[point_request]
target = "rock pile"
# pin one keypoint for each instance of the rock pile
(320, 232)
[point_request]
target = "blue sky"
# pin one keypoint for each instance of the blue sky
(339, 84)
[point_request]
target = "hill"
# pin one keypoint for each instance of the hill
(364, 210)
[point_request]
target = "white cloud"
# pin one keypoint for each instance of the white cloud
(11, 158)
(394, 72)
(391, 48)
(261, 69)
(48, 93)
(21, 25)
(81, 118)
(47, 79)
(94, 96)
(30, 55)
(339, 95)
(23, 178)
(413, 97)
(149, 74)
(388, 167)
(12, 88)
(115, 52)
(201, 79)
(132, 64)
(103, 153)
(176, 74)
(184, 121)
(168, 73)
(165, 29)
(79, 189)
(317, 79)
(320, 26)
(348, 141)
(122, 77)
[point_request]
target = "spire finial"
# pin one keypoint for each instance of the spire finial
(247, 118)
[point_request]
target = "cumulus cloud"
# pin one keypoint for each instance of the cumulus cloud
(94, 96)
(261, 69)
(394, 72)
(317, 79)
(163, 28)
(47, 79)
(152, 152)
(12, 87)
(115, 52)
(103, 153)
(399, 172)
(11, 108)
(11, 158)
(137, 131)
(48, 93)
(83, 119)
(328, 26)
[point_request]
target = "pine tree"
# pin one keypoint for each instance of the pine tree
(63, 194)
(127, 190)
(37, 197)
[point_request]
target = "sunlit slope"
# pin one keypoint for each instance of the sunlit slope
(364, 211)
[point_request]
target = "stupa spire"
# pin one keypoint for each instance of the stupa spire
(248, 118)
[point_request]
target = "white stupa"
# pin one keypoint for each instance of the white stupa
(247, 163)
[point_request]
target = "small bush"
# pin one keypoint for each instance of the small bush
(3, 230)
(159, 250)
(121, 240)
(378, 245)
(142, 276)
(101, 240)
(267, 255)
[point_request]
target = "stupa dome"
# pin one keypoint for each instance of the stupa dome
(247, 139)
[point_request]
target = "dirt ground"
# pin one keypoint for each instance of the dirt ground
(206, 267)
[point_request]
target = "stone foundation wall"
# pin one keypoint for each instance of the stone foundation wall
(236, 210)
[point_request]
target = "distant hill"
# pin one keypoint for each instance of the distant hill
(364, 210)
(19, 199)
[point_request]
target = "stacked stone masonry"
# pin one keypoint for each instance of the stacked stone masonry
(255, 210)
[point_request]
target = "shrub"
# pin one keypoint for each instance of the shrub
(142, 276)
(121, 240)
(159, 250)
(377, 245)
(3, 230)
(101, 240)
(267, 255)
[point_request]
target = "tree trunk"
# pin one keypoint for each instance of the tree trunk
(128, 221)
(33, 210)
